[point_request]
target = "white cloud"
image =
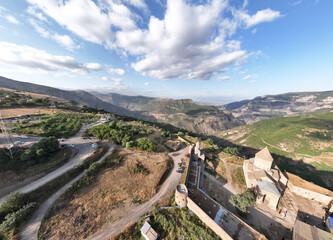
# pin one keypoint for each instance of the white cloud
(117, 81)
(296, 3)
(33, 11)
(8, 17)
(63, 40)
(252, 81)
(87, 19)
(11, 19)
(266, 15)
(117, 71)
(250, 76)
(223, 79)
(147, 83)
(32, 58)
(254, 31)
(190, 41)
(105, 78)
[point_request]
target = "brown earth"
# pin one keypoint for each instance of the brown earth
(114, 192)
(14, 112)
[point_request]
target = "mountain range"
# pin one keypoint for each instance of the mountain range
(187, 114)
(288, 104)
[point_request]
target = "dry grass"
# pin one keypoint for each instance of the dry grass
(108, 199)
(299, 182)
(14, 112)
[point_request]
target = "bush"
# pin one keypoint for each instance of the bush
(130, 144)
(210, 141)
(145, 144)
(14, 219)
(139, 168)
(13, 203)
(231, 150)
(243, 201)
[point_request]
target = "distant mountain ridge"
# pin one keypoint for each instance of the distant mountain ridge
(80, 97)
(184, 113)
(288, 104)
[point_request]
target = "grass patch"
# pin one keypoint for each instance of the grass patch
(238, 178)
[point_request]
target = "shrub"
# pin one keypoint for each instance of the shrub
(145, 144)
(231, 150)
(14, 219)
(243, 201)
(210, 141)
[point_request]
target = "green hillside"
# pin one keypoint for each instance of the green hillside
(305, 138)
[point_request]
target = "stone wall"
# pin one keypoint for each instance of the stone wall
(207, 220)
(310, 194)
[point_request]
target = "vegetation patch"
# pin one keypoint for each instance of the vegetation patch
(57, 125)
(17, 203)
(243, 201)
(172, 224)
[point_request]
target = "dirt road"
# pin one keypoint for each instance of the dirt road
(30, 230)
(85, 150)
(169, 185)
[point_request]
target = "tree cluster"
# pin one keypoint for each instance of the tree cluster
(25, 157)
(243, 201)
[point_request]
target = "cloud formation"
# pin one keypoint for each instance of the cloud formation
(116, 71)
(223, 79)
(191, 41)
(32, 58)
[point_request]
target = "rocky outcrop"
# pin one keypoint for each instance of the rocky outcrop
(289, 104)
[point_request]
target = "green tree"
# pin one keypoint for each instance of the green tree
(145, 144)
(210, 141)
(243, 201)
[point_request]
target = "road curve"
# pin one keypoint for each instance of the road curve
(109, 230)
(30, 230)
(85, 150)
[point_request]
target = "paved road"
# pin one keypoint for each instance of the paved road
(169, 185)
(30, 230)
(85, 150)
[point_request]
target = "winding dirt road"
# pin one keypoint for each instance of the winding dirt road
(30, 230)
(169, 185)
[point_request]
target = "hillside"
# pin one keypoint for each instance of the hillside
(305, 138)
(81, 97)
(288, 104)
(183, 113)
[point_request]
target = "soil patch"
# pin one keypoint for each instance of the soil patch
(109, 198)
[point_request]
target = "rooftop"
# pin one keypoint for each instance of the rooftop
(267, 186)
(264, 154)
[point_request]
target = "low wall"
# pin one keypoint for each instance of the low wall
(310, 194)
(207, 220)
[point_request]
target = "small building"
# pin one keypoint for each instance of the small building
(148, 232)
(268, 193)
(303, 231)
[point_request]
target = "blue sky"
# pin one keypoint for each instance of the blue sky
(207, 50)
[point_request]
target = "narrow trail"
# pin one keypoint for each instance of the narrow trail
(109, 230)
(30, 230)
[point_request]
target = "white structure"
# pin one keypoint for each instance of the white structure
(148, 232)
